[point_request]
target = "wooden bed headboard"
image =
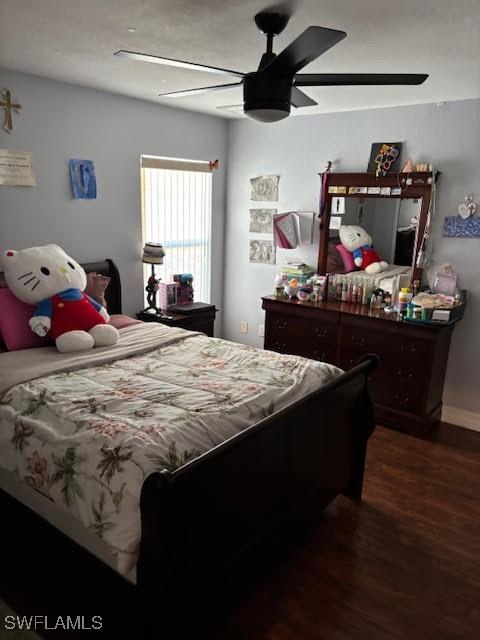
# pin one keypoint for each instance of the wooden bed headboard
(107, 267)
(113, 294)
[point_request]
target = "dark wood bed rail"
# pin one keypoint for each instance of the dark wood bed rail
(199, 521)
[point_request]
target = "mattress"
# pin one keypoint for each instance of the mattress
(61, 519)
(79, 433)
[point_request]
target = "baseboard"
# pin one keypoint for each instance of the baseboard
(462, 418)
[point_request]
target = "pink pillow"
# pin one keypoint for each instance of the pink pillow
(120, 321)
(347, 258)
(96, 287)
(14, 329)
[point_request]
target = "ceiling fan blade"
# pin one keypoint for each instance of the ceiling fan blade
(193, 92)
(300, 99)
(352, 79)
(307, 47)
(144, 57)
(237, 108)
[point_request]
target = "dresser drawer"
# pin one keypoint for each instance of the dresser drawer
(359, 340)
(397, 385)
(323, 353)
(395, 394)
(397, 372)
(409, 351)
(303, 337)
(394, 350)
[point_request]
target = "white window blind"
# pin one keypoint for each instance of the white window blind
(177, 212)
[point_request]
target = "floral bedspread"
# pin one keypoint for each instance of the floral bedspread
(87, 439)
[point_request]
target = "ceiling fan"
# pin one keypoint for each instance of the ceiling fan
(269, 92)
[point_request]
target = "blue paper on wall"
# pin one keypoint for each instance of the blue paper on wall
(456, 227)
(82, 178)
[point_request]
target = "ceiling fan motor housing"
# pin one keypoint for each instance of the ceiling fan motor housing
(266, 97)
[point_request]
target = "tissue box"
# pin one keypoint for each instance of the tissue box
(441, 315)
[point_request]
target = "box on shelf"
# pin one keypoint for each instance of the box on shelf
(183, 282)
(166, 294)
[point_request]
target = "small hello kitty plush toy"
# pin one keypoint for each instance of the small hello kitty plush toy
(359, 243)
(52, 281)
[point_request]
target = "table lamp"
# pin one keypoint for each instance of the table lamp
(153, 253)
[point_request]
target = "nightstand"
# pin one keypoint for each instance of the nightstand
(197, 316)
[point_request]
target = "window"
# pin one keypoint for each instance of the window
(177, 212)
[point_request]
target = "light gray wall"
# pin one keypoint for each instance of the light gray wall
(297, 150)
(60, 121)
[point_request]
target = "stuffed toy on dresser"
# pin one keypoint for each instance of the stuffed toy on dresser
(356, 240)
(54, 283)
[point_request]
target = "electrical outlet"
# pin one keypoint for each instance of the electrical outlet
(244, 326)
(261, 330)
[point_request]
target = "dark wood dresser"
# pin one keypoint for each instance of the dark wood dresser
(406, 389)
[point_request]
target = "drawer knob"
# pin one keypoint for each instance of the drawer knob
(321, 333)
(404, 374)
(407, 347)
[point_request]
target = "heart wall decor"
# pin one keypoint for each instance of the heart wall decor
(467, 208)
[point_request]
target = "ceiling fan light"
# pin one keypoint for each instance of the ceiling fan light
(267, 115)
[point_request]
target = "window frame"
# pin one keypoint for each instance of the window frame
(189, 166)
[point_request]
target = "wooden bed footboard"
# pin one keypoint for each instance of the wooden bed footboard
(201, 520)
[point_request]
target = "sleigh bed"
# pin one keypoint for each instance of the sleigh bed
(203, 512)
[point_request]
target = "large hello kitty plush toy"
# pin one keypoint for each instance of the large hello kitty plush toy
(53, 282)
(359, 243)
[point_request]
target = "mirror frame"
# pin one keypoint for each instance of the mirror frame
(421, 188)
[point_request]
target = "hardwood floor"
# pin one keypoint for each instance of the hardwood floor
(405, 563)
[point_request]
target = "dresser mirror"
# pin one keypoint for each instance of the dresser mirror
(391, 222)
(393, 209)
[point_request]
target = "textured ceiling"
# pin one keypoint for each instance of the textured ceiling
(74, 40)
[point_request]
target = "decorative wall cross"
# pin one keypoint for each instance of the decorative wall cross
(9, 106)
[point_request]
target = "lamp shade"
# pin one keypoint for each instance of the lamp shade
(153, 253)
